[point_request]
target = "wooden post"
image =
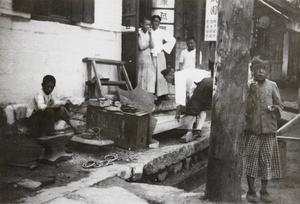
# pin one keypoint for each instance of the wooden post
(200, 30)
(228, 109)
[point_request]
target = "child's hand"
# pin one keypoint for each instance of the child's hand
(51, 103)
(68, 105)
(272, 108)
(253, 86)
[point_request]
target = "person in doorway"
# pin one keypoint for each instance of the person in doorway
(261, 152)
(146, 70)
(187, 56)
(163, 42)
(45, 110)
(193, 90)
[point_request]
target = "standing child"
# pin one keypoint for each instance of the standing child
(146, 70)
(45, 110)
(261, 152)
(163, 43)
(187, 56)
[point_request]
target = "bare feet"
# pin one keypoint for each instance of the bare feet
(74, 127)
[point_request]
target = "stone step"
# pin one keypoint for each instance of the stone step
(116, 195)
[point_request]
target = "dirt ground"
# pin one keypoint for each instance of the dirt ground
(19, 149)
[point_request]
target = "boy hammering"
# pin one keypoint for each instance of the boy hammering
(45, 110)
(261, 152)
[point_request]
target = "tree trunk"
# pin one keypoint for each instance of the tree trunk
(228, 113)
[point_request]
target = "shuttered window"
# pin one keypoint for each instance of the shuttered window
(65, 11)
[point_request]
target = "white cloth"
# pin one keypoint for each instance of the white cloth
(185, 83)
(41, 101)
(158, 37)
(188, 59)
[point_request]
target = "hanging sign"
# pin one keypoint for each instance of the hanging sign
(167, 15)
(163, 3)
(167, 27)
(211, 20)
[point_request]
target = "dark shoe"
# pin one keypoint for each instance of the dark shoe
(265, 197)
(252, 198)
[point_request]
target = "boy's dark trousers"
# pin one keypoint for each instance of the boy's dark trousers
(42, 122)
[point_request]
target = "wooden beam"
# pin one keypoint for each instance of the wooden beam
(224, 169)
(103, 61)
(98, 82)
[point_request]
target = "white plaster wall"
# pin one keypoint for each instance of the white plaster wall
(30, 49)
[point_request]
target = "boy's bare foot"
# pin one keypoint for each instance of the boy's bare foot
(74, 128)
(265, 197)
(189, 136)
(252, 198)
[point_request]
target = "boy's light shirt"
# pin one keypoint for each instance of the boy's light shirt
(188, 59)
(158, 36)
(41, 101)
(185, 83)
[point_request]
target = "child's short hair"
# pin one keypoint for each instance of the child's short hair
(155, 16)
(49, 78)
(261, 57)
(143, 19)
(166, 71)
(190, 38)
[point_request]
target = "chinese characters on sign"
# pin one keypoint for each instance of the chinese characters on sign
(167, 15)
(211, 20)
(163, 3)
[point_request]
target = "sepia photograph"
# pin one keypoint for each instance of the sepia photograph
(150, 101)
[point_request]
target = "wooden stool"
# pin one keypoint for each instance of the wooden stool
(55, 148)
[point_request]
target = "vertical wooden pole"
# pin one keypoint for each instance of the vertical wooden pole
(228, 111)
(199, 29)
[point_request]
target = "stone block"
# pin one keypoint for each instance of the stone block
(15, 112)
(137, 172)
(187, 163)
(162, 176)
(29, 184)
(176, 168)
(9, 111)
(116, 195)
(195, 158)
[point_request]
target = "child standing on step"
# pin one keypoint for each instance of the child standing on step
(261, 152)
(45, 110)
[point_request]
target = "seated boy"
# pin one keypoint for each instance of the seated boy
(44, 110)
(193, 89)
(187, 56)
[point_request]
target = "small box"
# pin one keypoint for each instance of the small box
(127, 130)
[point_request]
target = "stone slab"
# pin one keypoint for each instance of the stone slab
(29, 184)
(115, 195)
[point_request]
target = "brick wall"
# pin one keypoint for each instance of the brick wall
(30, 49)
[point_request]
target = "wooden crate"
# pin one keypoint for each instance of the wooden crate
(127, 130)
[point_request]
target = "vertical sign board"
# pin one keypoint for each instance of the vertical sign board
(165, 9)
(211, 20)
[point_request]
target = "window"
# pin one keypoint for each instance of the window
(64, 11)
